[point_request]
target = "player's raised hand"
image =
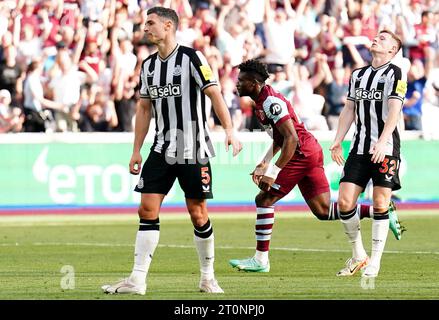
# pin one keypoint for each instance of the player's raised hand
(258, 172)
(378, 152)
(136, 163)
(337, 153)
(236, 144)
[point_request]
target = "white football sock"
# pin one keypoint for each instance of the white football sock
(146, 243)
(261, 257)
(206, 255)
(353, 231)
(380, 229)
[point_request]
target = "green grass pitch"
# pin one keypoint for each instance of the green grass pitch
(305, 256)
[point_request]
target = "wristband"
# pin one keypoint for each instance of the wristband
(272, 171)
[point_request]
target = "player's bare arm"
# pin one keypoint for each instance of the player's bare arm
(141, 127)
(378, 150)
(261, 168)
(289, 145)
(220, 108)
(347, 116)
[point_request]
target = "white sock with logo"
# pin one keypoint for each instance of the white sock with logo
(205, 244)
(380, 229)
(351, 224)
(147, 239)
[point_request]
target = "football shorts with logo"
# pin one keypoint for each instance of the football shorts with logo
(359, 169)
(159, 173)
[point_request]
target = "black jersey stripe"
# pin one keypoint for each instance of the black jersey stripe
(149, 81)
(165, 107)
(178, 104)
(379, 106)
(194, 118)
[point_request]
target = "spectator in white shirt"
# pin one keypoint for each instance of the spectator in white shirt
(65, 87)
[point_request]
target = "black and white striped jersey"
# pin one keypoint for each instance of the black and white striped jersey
(371, 88)
(175, 86)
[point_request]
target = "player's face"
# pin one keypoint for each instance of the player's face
(245, 85)
(383, 43)
(155, 28)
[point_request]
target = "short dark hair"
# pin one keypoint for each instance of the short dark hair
(256, 68)
(165, 13)
(395, 37)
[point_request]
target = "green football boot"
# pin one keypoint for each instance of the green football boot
(249, 265)
(394, 223)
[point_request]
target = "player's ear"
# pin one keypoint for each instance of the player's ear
(168, 24)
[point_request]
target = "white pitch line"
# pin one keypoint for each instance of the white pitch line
(97, 244)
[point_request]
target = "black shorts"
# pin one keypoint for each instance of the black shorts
(158, 176)
(359, 169)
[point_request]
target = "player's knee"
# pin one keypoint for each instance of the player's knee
(199, 220)
(321, 215)
(380, 209)
(198, 215)
(345, 205)
(262, 200)
(146, 212)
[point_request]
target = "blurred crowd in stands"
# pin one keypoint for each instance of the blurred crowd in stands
(74, 65)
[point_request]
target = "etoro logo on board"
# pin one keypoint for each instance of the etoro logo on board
(86, 183)
(79, 184)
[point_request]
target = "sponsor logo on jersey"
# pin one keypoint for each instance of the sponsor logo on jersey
(169, 90)
(363, 94)
(150, 73)
(275, 109)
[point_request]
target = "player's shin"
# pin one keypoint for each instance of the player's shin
(204, 242)
(263, 230)
(380, 229)
(351, 225)
(146, 242)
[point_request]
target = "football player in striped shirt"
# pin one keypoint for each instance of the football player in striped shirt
(174, 83)
(375, 99)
